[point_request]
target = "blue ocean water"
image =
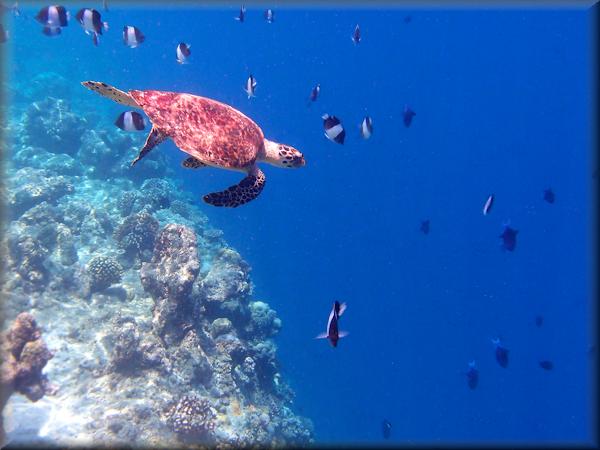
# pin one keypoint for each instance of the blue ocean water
(502, 106)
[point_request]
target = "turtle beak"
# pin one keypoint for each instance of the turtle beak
(299, 161)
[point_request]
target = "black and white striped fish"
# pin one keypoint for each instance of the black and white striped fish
(269, 15)
(315, 92)
(91, 22)
(132, 36)
(334, 130)
(366, 127)
(356, 35)
(183, 52)
(242, 14)
(333, 332)
(130, 121)
(250, 86)
(53, 18)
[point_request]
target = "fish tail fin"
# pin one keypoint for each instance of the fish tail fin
(111, 92)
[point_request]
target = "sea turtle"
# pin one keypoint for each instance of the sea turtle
(212, 133)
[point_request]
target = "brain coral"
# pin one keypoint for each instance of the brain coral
(102, 272)
(192, 417)
(137, 232)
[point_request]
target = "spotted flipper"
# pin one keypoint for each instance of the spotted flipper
(192, 163)
(111, 92)
(247, 189)
(154, 138)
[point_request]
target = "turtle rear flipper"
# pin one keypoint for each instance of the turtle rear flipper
(154, 138)
(111, 92)
(243, 192)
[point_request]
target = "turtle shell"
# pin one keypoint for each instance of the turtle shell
(211, 131)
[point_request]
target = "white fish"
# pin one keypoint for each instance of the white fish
(333, 333)
(366, 127)
(132, 36)
(488, 205)
(183, 52)
(334, 130)
(250, 86)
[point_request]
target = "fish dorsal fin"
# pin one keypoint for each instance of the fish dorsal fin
(342, 309)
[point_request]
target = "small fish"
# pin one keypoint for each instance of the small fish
(356, 35)
(366, 127)
(130, 121)
(269, 15)
(425, 226)
(501, 353)
(472, 374)
(408, 115)
(49, 31)
(539, 320)
(333, 333)
(334, 130)
(3, 34)
(53, 16)
(488, 205)
(90, 21)
(183, 52)
(546, 364)
(250, 88)
(386, 429)
(509, 238)
(549, 195)
(242, 14)
(314, 93)
(132, 36)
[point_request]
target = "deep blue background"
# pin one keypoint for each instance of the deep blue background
(503, 106)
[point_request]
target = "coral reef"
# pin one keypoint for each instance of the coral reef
(159, 340)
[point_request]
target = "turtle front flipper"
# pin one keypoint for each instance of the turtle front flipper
(243, 192)
(192, 163)
(111, 92)
(154, 138)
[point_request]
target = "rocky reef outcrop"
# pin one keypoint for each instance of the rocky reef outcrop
(157, 337)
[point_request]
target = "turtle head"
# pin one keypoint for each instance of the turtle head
(282, 155)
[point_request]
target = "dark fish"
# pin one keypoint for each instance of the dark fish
(48, 31)
(130, 121)
(386, 429)
(425, 226)
(3, 34)
(333, 333)
(242, 14)
(509, 238)
(315, 93)
(488, 205)
(269, 15)
(250, 88)
(501, 353)
(366, 127)
(356, 35)
(183, 52)
(546, 365)
(472, 374)
(53, 16)
(90, 21)
(334, 130)
(539, 320)
(408, 115)
(549, 195)
(132, 36)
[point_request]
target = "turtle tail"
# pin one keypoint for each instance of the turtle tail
(111, 92)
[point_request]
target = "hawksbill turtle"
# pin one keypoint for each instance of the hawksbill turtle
(212, 133)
